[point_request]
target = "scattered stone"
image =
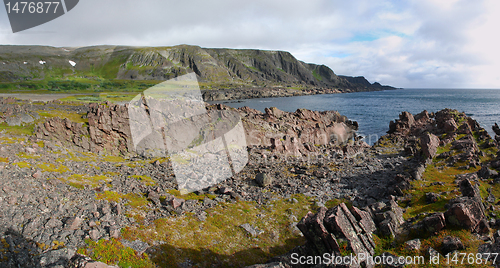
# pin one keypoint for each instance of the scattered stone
(263, 179)
(491, 198)
(251, 230)
(137, 245)
(389, 218)
(413, 245)
(431, 253)
(431, 198)
(434, 223)
(176, 202)
(30, 150)
(56, 258)
(95, 234)
(37, 174)
(487, 173)
(450, 244)
(202, 216)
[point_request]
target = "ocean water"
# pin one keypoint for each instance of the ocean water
(374, 110)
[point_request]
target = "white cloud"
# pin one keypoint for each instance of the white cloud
(417, 43)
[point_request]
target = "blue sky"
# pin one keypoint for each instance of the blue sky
(424, 43)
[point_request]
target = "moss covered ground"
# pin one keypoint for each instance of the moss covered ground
(219, 240)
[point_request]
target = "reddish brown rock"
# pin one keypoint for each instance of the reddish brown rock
(496, 129)
(434, 223)
(342, 223)
(295, 133)
(37, 174)
(429, 143)
(108, 130)
(324, 228)
(450, 125)
(316, 234)
(176, 202)
(403, 125)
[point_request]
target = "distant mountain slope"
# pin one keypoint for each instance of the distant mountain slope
(216, 68)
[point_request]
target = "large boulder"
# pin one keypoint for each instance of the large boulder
(343, 224)
(323, 229)
(487, 173)
(403, 125)
(434, 223)
(466, 211)
(450, 244)
(429, 143)
(319, 239)
(496, 129)
(389, 218)
(449, 125)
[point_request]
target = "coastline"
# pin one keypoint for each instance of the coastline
(100, 201)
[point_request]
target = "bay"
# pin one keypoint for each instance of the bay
(374, 110)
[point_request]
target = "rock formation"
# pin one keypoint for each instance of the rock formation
(107, 130)
(295, 133)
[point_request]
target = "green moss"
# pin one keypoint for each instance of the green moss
(190, 196)
(73, 117)
(219, 240)
(53, 168)
(113, 252)
(110, 196)
(22, 164)
(317, 76)
(79, 181)
(26, 130)
(145, 179)
(135, 200)
(112, 158)
(27, 156)
(433, 174)
(335, 202)
(10, 140)
(470, 241)
(443, 149)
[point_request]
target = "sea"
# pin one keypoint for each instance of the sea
(374, 110)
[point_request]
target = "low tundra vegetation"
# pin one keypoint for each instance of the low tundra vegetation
(217, 240)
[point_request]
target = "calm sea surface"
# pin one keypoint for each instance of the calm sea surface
(374, 110)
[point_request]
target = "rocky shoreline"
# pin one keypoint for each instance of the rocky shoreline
(71, 185)
(274, 92)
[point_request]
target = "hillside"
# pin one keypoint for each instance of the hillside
(124, 68)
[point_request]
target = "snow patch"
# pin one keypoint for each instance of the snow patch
(72, 63)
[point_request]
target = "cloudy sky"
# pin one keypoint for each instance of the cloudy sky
(415, 43)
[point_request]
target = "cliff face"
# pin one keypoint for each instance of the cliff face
(215, 68)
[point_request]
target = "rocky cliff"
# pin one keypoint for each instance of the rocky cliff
(215, 68)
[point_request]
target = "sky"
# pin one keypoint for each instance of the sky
(410, 44)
